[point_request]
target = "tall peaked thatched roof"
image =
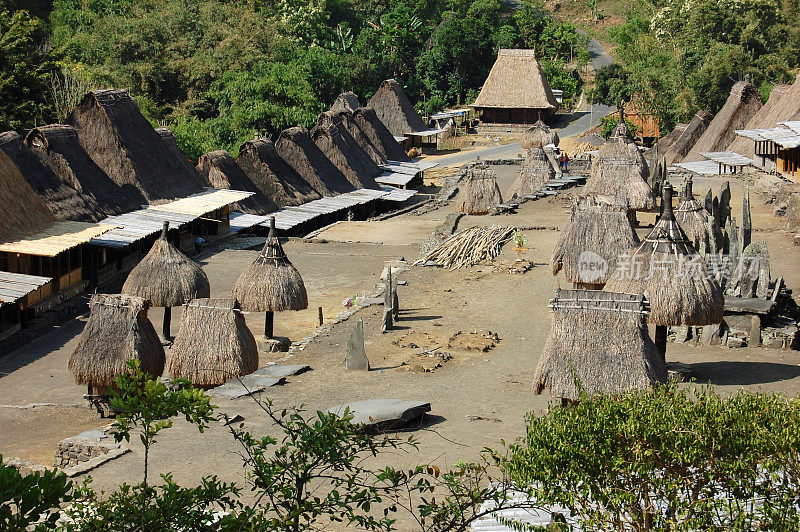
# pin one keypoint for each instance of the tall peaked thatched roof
(65, 202)
(122, 142)
(478, 190)
(538, 136)
(380, 136)
(346, 101)
(667, 269)
(273, 176)
(58, 148)
(166, 277)
(361, 138)
(742, 104)
(172, 145)
(534, 172)
(117, 331)
(213, 344)
(297, 148)
(598, 341)
(271, 283)
(598, 232)
(516, 81)
(693, 219)
(331, 136)
(395, 110)
(220, 170)
(19, 218)
(687, 137)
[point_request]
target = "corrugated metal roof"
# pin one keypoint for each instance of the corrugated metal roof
(701, 167)
(727, 157)
(783, 137)
(397, 179)
(57, 238)
(203, 202)
(240, 221)
(15, 286)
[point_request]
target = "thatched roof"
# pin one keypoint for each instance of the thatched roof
(213, 344)
(598, 227)
(693, 218)
(117, 331)
(538, 136)
(172, 145)
(534, 172)
(346, 101)
(273, 176)
(65, 202)
(667, 269)
(687, 138)
(598, 341)
(166, 277)
(58, 148)
(361, 138)
(122, 142)
(667, 141)
(379, 135)
(19, 218)
(271, 283)
(297, 148)
(516, 81)
(742, 104)
(220, 170)
(478, 190)
(331, 136)
(395, 110)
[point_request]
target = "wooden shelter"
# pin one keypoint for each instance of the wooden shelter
(598, 343)
(397, 113)
(296, 147)
(380, 136)
(273, 176)
(213, 344)
(516, 90)
(331, 136)
(347, 101)
(478, 190)
(220, 170)
(534, 172)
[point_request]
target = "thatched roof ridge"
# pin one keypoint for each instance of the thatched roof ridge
(596, 225)
(122, 142)
(19, 218)
(57, 147)
(538, 136)
(351, 126)
(687, 138)
(380, 136)
(346, 101)
(742, 104)
(166, 277)
(220, 170)
(534, 172)
(341, 148)
(172, 145)
(395, 110)
(213, 344)
(297, 148)
(117, 331)
(516, 81)
(600, 340)
(273, 176)
(693, 218)
(479, 191)
(65, 202)
(271, 283)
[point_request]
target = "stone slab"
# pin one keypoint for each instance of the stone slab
(383, 412)
(750, 305)
(281, 370)
(249, 385)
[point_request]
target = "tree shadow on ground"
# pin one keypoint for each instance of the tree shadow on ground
(743, 373)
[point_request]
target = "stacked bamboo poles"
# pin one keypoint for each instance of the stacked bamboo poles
(470, 246)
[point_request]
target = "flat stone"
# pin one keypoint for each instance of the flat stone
(750, 305)
(383, 413)
(281, 370)
(276, 344)
(734, 341)
(249, 385)
(711, 334)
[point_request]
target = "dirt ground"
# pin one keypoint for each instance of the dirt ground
(479, 385)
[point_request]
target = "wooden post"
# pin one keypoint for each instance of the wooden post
(167, 321)
(268, 324)
(319, 312)
(661, 341)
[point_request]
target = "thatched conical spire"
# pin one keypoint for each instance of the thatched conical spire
(694, 219)
(479, 191)
(538, 136)
(533, 174)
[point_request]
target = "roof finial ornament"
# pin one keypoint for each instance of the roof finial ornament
(747, 78)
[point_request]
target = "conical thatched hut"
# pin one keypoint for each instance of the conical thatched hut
(538, 136)
(346, 101)
(166, 278)
(597, 234)
(19, 218)
(598, 341)
(62, 199)
(667, 269)
(122, 142)
(273, 176)
(479, 191)
(271, 284)
(296, 147)
(742, 105)
(341, 148)
(381, 138)
(693, 219)
(687, 138)
(117, 331)
(535, 171)
(220, 170)
(395, 110)
(213, 344)
(361, 138)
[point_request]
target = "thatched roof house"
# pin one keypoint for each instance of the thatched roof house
(534, 172)
(351, 126)
(599, 341)
(172, 145)
(117, 331)
(220, 170)
(380, 136)
(478, 190)
(331, 136)
(395, 110)
(19, 218)
(213, 344)
(122, 142)
(297, 148)
(538, 136)
(598, 233)
(346, 101)
(516, 90)
(686, 138)
(742, 104)
(58, 148)
(273, 176)
(65, 202)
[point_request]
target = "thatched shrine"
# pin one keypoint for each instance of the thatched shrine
(213, 344)
(534, 172)
(538, 136)
(478, 190)
(271, 283)
(599, 342)
(331, 136)
(166, 278)
(220, 170)
(378, 134)
(296, 147)
(694, 220)
(273, 176)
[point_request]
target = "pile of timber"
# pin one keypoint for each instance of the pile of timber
(469, 247)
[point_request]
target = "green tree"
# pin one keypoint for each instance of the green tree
(33, 499)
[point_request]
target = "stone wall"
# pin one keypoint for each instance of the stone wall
(86, 451)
